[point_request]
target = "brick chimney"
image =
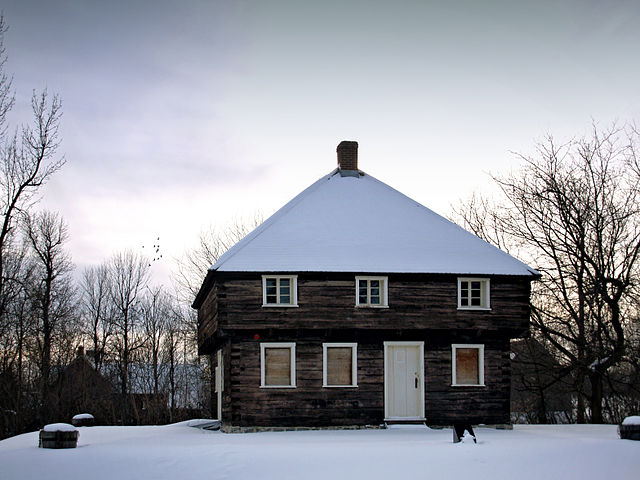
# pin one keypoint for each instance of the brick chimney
(347, 155)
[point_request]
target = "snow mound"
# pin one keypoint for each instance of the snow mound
(633, 420)
(203, 423)
(83, 416)
(59, 427)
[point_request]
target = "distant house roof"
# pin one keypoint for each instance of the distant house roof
(352, 222)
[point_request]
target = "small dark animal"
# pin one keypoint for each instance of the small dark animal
(459, 429)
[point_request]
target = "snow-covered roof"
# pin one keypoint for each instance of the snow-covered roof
(350, 222)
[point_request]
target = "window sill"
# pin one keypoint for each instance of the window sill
(468, 385)
(279, 305)
(277, 386)
(482, 309)
(372, 306)
(339, 386)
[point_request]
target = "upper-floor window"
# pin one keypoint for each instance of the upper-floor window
(473, 293)
(371, 291)
(279, 291)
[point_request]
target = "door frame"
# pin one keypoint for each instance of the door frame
(219, 381)
(386, 379)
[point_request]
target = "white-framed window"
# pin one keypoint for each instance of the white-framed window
(278, 365)
(467, 365)
(339, 364)
(473, 294)
(371, 292)
(279, 290)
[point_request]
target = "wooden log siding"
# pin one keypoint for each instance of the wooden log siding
(208, 320)
(488, 404)
(329, 302)
(421, 308)
(309, 403)
(246, 404)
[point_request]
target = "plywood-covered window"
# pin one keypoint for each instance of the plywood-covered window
(467, 364)
(371, 291)
(279, 291)
(473, 293)
(278, 365)
(339, 364)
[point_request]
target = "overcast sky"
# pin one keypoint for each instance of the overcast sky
(182, 114)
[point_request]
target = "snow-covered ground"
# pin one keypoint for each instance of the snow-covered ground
(179, 451)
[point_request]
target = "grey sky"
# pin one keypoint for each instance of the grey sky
(181, 114)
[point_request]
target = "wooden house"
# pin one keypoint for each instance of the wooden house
(355, 305)
(80, 388)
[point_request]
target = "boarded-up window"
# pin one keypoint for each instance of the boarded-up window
(277, 366)
(468, 366)
(339, 366)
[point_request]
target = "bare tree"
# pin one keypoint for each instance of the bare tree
(573, 211)
(156, 310)
(129, 275)
(53, 293)
(173, 336)
(15, 332)
(212, 242)
(97, 311)
(27, 158)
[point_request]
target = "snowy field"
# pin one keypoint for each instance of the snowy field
(179, 451)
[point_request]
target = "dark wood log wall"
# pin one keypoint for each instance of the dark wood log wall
(208, 321)
(445, 404)
(328, 301)
(246, 404)
(309, 403)
(421, 307)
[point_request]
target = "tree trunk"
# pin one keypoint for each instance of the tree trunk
(46, 348)
(595, 379)
(124, 371)
(542, 407)
(580, 406)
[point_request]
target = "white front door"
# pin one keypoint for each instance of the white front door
(403, 380)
